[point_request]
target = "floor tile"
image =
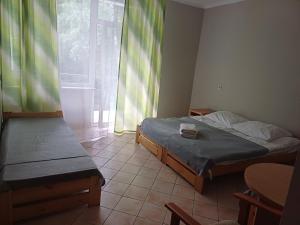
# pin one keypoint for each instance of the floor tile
(121, 157)
(204, 220)
(100, 145)
(138, 185)
(148, 172)
(143, 221)
(205, 210)
(158, 198)
(152, 212)
(152, 157)
(166, 169)
(131, 141)
(210, 193)
(142, 154)
(113, 148)
(106, 154)
(183, 182)
(163, 186)
(106, 140)
(130, 168)
(227, 214)
(185, 192)
(205, 198)
(153, 164)
(114, 164)
(137, 161)
(184, 203)
(123, 177)
(100, 161)
(132, 146)
(129, 205)
(116, 187)
(108, 173)
(119, 218)
(167, 177)
(227, 200)
(109, 200)
(93, 216)
(136, 192)
(127, 151)
(125, 137)
(143, 181)
(118, 144)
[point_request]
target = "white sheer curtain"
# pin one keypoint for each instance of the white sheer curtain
(89, 34)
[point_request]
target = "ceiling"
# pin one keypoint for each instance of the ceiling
(207, 3)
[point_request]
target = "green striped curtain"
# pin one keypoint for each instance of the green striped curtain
(140, 63)
(29, 65)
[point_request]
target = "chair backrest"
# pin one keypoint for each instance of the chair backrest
(248, 205)
(246, 201)
(179, 214)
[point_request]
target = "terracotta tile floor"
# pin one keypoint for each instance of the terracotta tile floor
(138, 185)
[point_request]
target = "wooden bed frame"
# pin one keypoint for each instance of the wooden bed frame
(51, 197)
(198, 181)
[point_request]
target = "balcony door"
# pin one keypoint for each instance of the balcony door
(89, 34)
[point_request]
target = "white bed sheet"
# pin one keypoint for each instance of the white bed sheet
(285, 144)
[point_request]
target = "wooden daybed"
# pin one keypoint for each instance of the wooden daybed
(39, 183)
(198, 181)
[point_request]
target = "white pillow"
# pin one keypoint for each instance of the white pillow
(226, 118)
(261, 130)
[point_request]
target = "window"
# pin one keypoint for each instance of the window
(89, 36)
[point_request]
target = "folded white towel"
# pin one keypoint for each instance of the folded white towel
(188, 130)
(187, 126)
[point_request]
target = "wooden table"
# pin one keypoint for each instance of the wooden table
(270, 181)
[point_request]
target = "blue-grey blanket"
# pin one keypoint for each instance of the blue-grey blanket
(212, 146)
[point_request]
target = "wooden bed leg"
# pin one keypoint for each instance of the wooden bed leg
(137, 134)
(95, 191)
(164, 156)
(159, 153)
(199, 184)
(6, 208)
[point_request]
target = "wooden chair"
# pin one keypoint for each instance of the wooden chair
(245, 214)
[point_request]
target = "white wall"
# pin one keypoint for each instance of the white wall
(251, 49)
(181, 39)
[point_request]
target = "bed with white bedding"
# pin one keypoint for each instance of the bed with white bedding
(256, 142)
(282, 144)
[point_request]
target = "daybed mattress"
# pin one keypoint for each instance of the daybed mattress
(42, 149)
(212, 147)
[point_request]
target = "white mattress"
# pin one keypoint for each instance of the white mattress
(285, 144)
